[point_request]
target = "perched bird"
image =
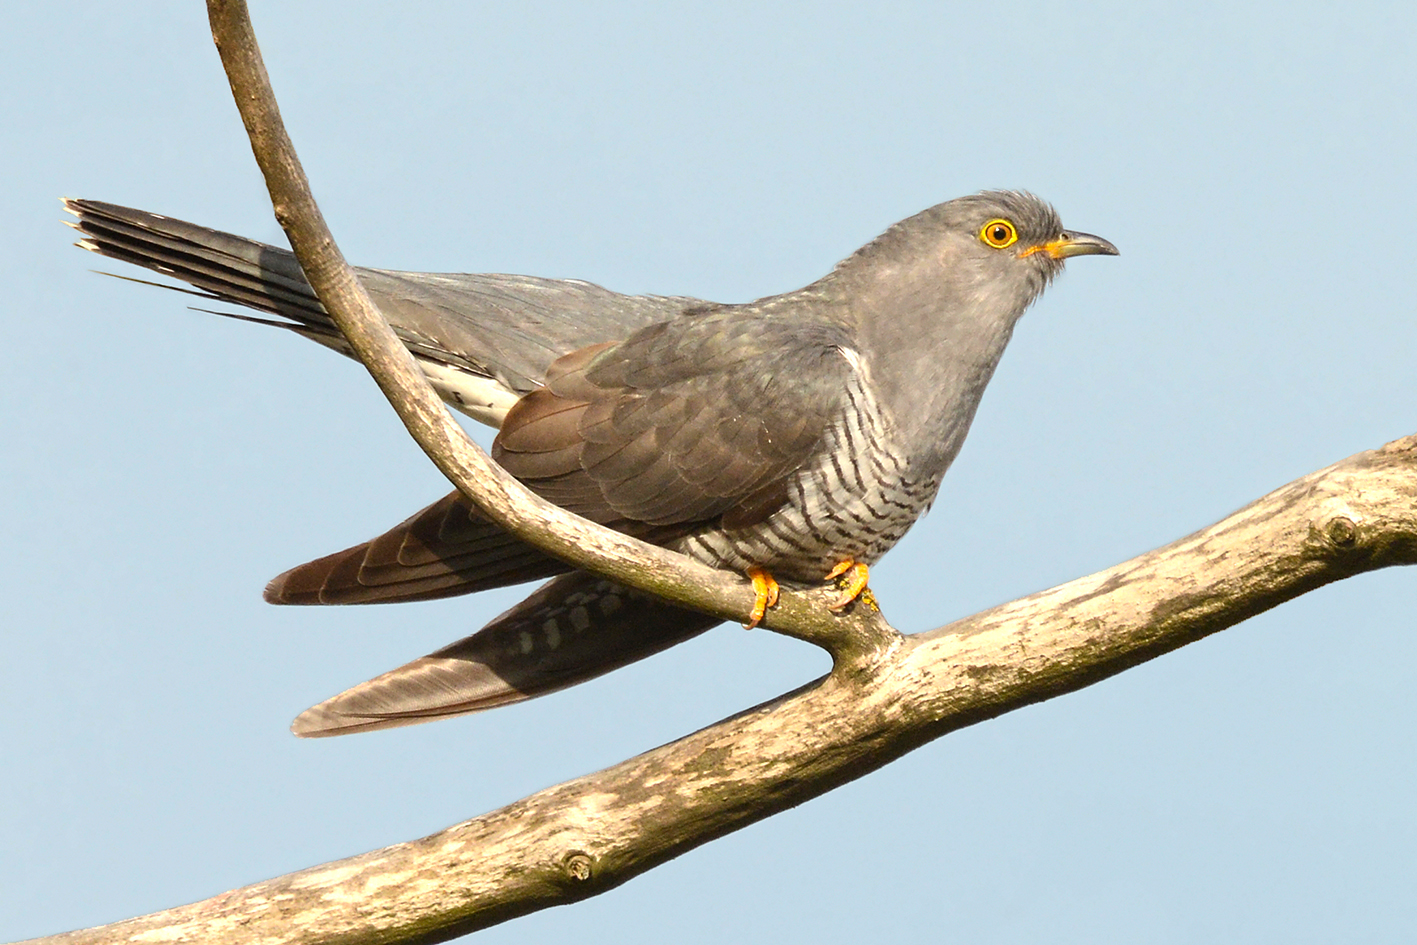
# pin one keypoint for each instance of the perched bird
(796, 437)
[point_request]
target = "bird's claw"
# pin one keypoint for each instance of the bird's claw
(852, 586)
(767, 592)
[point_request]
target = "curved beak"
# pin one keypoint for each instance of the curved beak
(1074, 244)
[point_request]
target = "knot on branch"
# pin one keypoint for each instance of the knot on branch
(1341, 531)
(1335, 531)
(1350, 541)
(579, 867)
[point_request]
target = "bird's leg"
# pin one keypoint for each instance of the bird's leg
(766, 590)
(854, 584)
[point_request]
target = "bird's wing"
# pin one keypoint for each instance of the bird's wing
(574, 628)
(444, 550)
(688, 421)
(696, 421)
(502, 328)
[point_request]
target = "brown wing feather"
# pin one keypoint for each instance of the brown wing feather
(681, 425)
(444, 550)
(682, 422)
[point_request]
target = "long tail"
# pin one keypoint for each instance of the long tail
(572, 629)
(480, 336)
(225, 267)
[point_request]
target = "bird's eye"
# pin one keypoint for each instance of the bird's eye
(999, 234)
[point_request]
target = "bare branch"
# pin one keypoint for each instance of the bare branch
(504, 500)
(591, 834)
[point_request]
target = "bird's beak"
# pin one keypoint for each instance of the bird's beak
(1073, 244)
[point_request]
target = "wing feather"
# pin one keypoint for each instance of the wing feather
(682, 426)
(682, 421)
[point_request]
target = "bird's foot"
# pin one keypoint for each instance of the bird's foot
(766, 590)
(853, 584)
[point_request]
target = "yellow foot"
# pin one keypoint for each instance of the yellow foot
(854, 584)
(767, 590)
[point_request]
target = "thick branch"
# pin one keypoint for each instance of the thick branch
(588, 835)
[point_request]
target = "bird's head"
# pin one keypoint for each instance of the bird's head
(990, 253)
(1006, 246)
(933, 301)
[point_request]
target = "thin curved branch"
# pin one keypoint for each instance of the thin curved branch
(588, 835)
(531, 518)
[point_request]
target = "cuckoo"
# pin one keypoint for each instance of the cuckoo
(796, 437)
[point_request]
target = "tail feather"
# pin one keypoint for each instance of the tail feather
(504, 328)
(574, 628)
(230, 268)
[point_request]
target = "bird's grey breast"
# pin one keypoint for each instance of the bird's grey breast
(854, 498)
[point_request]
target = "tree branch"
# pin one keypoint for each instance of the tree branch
(506, 502)
(591, 834)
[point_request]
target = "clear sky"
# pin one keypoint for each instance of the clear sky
(1254, 163)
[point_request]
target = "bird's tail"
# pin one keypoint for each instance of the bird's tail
(574, 628)
(223, 266)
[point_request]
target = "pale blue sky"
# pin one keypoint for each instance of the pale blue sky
(1254, 165)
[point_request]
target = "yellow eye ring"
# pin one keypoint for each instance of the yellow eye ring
(998, 233)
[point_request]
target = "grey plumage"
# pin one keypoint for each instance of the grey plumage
(465, 329)
(571, 629)
(787, 434)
